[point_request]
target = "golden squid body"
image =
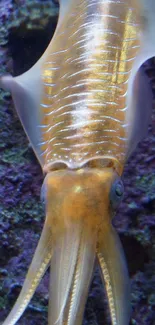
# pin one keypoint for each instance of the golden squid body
(84, 107)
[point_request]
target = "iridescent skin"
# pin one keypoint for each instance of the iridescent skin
(85, 80)
(80, 106)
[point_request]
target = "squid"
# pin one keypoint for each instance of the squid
(84, 106)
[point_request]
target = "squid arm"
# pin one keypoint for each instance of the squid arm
(38, 267)
(69, 284)
(114, 274)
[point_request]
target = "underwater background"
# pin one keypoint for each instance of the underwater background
(26, 27)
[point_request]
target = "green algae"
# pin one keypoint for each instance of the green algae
(23, 213)
(146, 183)
(143, 236)
(3, 302)
(151, 299)
(29, 15)
(14, 156)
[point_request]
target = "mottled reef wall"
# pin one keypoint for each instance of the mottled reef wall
(26, 27)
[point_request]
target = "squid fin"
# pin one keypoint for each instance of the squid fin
(139, 97)
(114, 274)
(27, 90)
(36, 271)
(140, 110)
(148, 27)
(26, 93)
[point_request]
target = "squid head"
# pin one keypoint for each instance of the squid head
(77, 232)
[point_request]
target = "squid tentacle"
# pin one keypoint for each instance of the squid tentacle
(82, 278)
(37, 269)
(114, 275)
(62, 269)
(71, 270)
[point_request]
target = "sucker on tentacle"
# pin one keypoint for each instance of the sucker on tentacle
(84, 106)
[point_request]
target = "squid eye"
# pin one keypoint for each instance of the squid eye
(116, 193)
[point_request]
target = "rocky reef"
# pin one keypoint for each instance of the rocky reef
(26, 27)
